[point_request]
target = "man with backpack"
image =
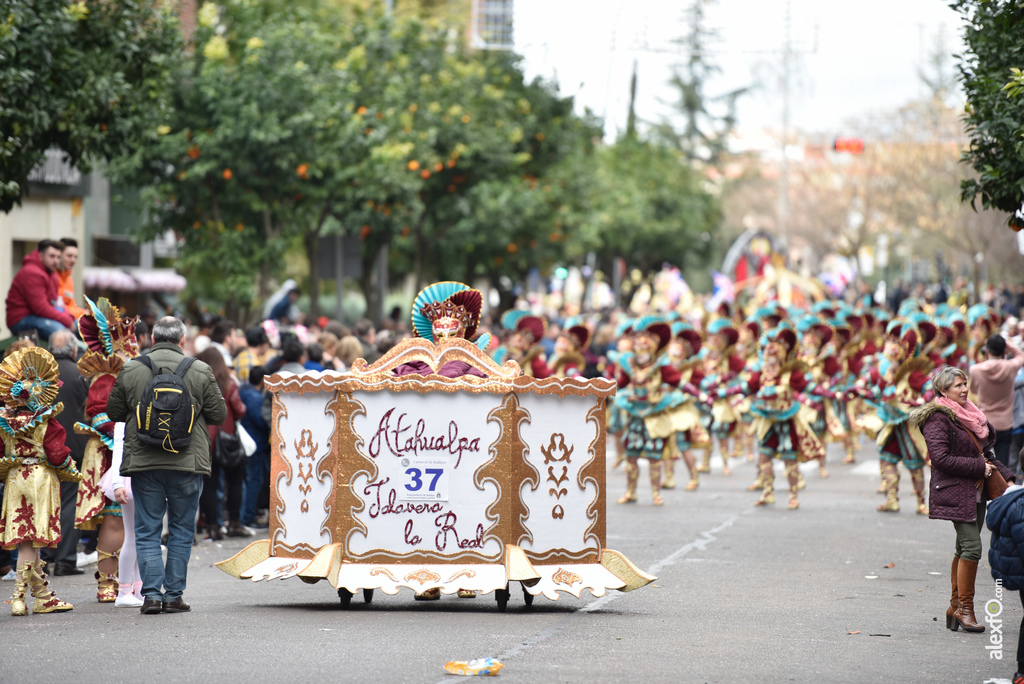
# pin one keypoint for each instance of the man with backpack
(167, 453)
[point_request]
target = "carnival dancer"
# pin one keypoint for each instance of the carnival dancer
(523, 345)
(817, 353)
(35, 461)
(616, 415)
(897, 386)
(647, 392)
(746, 348)
(443, 311)
(721, 367)
(983, 322)
(683, 353)
(111, 342)
(839, 414)
(780, 428)
(568, 360)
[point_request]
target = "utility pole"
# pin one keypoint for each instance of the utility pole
(787, 59)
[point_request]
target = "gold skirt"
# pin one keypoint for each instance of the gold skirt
(31, 507)
(92, 505)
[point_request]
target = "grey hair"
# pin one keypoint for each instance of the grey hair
(168, 329)
(945, 378)
(63, 343)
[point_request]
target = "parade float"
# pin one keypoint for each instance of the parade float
(424, 482)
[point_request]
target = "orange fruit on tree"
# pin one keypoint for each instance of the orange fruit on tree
(439, 167)
(361, 111)
(303, 171)
(413, 165)
(364, 232)
(512, 248)
(227, 174)
(193, 152)
(424, 174)
(451, 163)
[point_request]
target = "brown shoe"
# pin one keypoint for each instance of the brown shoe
(177, 605)
(964, 615)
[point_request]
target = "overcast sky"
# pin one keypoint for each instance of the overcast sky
(851, 57)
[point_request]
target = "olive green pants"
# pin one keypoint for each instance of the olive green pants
(968, 536)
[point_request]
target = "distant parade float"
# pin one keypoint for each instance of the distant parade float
(437, 470)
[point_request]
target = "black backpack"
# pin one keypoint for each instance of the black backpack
(166, 414)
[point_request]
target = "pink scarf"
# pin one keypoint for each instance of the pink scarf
(968, 414)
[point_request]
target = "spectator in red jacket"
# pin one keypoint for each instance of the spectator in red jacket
(34, 298)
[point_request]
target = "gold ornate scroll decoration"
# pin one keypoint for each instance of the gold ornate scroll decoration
(468, 574)
(594, 471)
(556, 452)
(508, 463)
(565, 577)
(352, 461)
(305, 448)
(279, 469)
(423, 576)
(385, 572)
(380, 375)
(328, 466)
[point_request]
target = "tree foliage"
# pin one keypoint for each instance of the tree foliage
(289, 122)
(990, 73)
(87, 78)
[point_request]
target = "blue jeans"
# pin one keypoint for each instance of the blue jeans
(257, 476)
(177, 493)
(44, 326)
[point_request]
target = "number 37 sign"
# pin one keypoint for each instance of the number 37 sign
(424, 479)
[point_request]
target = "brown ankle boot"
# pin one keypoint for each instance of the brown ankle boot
(964, 615)
(954, 600)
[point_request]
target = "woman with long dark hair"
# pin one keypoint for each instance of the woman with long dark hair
(234, 476)
(960, 441)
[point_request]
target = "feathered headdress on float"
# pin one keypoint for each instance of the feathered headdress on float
(448, 309)
(110, 338)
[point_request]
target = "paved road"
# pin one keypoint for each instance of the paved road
(743, 595)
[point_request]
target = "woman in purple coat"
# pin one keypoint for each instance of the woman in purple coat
(960, 441)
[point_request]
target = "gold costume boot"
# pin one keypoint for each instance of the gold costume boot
(705, 464)
(758, 483)
(891, 482)
(106, 585)
(881, 471)
(793, 475)
(45, 600)
(917, 477)
(767, 485)
(21, 579)
(669, 482)
(850, 458)
(632, 474)
(655, 472)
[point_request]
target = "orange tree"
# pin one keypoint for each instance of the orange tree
(87, 78)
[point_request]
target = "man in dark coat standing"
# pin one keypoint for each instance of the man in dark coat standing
(73, 392)
(166, 481)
